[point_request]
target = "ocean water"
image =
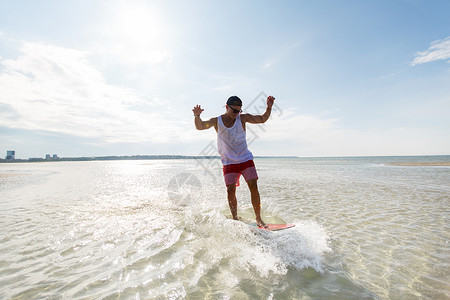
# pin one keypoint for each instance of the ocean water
(161, 229)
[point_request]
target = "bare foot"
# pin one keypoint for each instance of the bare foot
(261, 223)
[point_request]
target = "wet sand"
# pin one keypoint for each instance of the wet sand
(6, 175)
(434, 164)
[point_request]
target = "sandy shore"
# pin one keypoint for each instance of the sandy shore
(436, 164)
(9, 175)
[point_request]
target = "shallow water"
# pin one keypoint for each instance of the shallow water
(161, 229)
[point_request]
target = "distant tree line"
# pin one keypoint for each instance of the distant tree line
(95, 158)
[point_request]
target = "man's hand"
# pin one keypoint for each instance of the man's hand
(270, 101)
(197, 110)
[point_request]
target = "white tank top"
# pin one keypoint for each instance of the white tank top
(232, 143)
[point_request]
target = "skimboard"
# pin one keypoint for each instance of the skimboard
(273, 227)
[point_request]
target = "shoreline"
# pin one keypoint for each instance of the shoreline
(422, 164)
(8, 175)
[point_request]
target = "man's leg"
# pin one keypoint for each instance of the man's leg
(232, 201)
(256, 201)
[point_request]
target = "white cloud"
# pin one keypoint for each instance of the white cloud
(290, 124)
(439, 50)
(280, 55)
(55, 89)
(267, 65)
(292, 133)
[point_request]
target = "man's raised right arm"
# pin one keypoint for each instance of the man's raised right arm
(199, 124)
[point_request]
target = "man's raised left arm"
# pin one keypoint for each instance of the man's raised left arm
(261, 118)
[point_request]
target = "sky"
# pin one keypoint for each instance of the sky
(350, 77)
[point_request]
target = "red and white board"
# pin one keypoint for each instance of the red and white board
(273, 227)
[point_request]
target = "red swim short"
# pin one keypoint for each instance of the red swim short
(231, 173)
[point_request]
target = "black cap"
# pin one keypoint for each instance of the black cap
(234, 100)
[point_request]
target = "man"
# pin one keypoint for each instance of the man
(234, 154)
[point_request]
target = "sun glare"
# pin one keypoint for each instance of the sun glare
(139, 32)
(139, 25)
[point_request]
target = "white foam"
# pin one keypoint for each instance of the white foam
(300, 247)
(249, 250)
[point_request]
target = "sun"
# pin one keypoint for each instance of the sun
(139, 24)
(139, 32)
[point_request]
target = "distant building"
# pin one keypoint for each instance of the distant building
(51, 157)
(10, 154)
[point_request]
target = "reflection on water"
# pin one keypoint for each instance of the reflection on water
(160, 229)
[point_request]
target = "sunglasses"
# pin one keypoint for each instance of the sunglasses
(236, 111)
